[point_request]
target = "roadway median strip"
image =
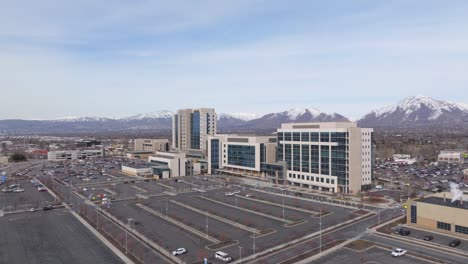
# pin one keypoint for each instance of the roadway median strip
(222, 219)
(248, 210)
(139, 189)
(178, 223)
(285, 246)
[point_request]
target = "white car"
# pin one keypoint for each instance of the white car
(236, 192)
(398, 252)
(229, 194)
(249, 195)
(179, 251)
(32, 210)
(283, 189)
(17, 190)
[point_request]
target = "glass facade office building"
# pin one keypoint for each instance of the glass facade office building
(318, 156)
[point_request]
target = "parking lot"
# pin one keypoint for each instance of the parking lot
(174, 214)
(438, 239)
(49, 237)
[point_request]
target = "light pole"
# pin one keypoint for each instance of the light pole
(253, 243)
(240, 254)
(206, 224)
(283, 208)
(166, 207)
(320, 229)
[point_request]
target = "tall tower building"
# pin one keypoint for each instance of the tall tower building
(191, 128)
(334, 157)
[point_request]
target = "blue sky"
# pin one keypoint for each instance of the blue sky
(120, 58)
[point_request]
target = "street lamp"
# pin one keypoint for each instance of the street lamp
(253, 243)
(283, 208)
(320, 229)
(240, 254)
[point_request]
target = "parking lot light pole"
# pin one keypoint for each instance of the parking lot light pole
(320, 229)
(240, 254)
(206, 224)
(283, 208)
(253, 243)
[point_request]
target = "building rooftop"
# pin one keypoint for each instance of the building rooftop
(448, 202)
(136, 166)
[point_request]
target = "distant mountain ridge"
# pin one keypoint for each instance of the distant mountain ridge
(418, 111)
(411, 112)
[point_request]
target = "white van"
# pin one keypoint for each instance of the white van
(223, 256)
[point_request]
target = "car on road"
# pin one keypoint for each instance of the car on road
(398, 252)
(229, 194)
(178, 180)
(179, 251)
(249, 195)
(454, 243)
(428, 238)
(283, 189)
(236, 192)
(32, 210)
(48, 207)
(18, 190)
(224, 257)
(204, 179)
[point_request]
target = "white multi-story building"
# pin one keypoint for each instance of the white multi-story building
(329, 156)
(240, 155)
(169, 164)
(74, 154)
(151, 145)
(191, 128)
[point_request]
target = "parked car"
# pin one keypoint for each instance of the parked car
(405, 232)
(229, 194)
(204, 179)
(249, 195)
(18, 190)
(179, 251)
(398, 252)
(455, 243)
(32, 210)
(428, 238)
(48, 207)
(224, 257)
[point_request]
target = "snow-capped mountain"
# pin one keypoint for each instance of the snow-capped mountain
(418, 111)
(152, 115)
(81, 119)
(300, 115)
(242, 116)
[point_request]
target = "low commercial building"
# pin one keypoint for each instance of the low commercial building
(74, 154)
(241, 155)
(403, 159)
(137, 170)
(169, 164)
(329, 156)
(453, 156)
(439, 213)
(151, 145)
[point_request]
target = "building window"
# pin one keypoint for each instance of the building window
(239, 155)
(314, 137)
(287, 136)
(444, 226)
(332, 181)
(305, 136)
(324, 137)
(461, 229)
(414, 214)
(308, 178)
(296, 136)
(280, 136)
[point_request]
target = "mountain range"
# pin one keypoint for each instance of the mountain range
(416, 111)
